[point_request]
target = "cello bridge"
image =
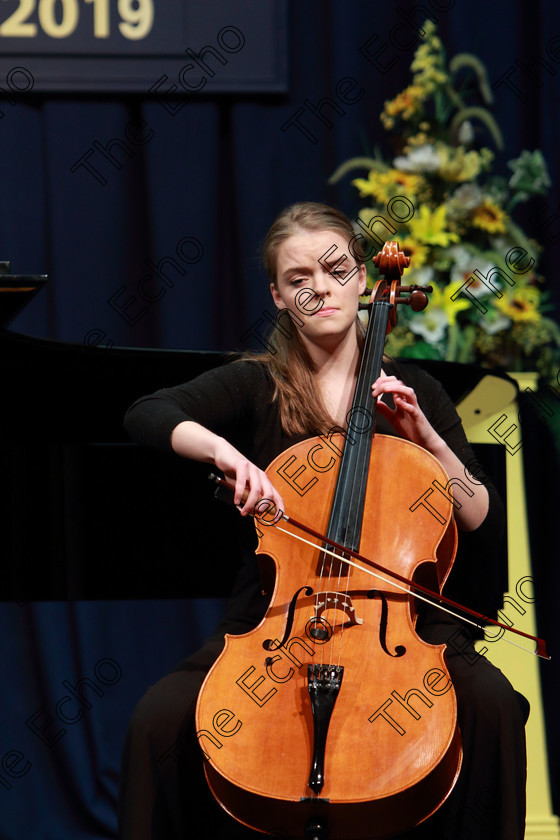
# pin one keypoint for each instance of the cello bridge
(336, 601)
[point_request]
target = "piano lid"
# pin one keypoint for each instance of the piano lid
(16, 290)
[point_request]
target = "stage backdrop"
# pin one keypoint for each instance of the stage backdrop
(147, 211)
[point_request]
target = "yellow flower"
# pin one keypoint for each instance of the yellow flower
(384, 185)
(417, 252)
(407, 183)
(424, 58)
(442, 311)
(488, 216)
(420, 139)
(430, 29)
(430, 79)
(375, 185)
(521, 305)
(442, 299)
(382, 229)
(405, 104)
(460, 165)
(429, 227)
(428, 63)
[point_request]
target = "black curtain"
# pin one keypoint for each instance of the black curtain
(220, 168)
(192, 203)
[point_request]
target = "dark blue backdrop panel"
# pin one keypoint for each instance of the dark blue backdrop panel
(71, 675)
(94, 188)
(147, 215)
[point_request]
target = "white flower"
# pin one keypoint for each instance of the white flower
(431, 325)
(493, 325)
(480, 287)
(465, 135)
(420, 276)
(464, 268)
(422, 159)
(461, 256)
(467, 196)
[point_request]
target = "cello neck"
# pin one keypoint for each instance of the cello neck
(345, 523)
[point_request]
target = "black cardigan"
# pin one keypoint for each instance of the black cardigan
(235, 401)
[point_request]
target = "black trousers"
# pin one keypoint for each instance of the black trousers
(164, 796)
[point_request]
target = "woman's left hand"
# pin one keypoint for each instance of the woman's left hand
(407, 418)
(410, 422)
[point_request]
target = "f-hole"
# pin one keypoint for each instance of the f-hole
(400, 650)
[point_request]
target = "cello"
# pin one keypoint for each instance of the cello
(332, 718)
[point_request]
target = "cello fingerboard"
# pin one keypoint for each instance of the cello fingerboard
(345, 523)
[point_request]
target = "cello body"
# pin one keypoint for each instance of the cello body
(390, 748)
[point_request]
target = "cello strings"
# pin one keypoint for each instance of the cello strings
(399, 586)
(335, 592)
(322, 578)
(342, 626)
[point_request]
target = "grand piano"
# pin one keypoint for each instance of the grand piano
(87, 514)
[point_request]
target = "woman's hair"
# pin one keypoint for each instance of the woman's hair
(300, 404)
(304, 216)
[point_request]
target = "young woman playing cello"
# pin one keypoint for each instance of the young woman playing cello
(238, 418)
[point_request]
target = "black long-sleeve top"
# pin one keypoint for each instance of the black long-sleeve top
(235, 401)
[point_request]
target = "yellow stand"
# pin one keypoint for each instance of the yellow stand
(490, 415)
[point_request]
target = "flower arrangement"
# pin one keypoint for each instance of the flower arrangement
(487, 305)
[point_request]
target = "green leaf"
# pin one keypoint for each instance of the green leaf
(421, 350)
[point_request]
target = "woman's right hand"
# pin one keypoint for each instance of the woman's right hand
(249, 483)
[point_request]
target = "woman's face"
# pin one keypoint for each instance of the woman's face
(319, 281)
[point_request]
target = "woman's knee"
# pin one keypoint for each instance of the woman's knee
(489, 696)
(166, 709)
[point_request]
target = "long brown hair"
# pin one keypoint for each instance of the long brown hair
(300, 404)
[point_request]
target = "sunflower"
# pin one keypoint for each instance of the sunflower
(521, 305)
(488, 216)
